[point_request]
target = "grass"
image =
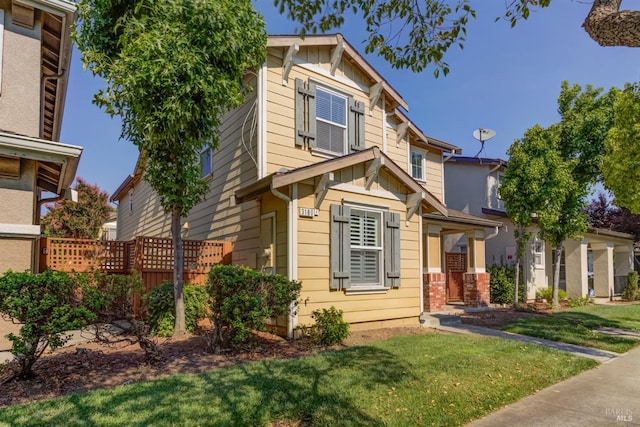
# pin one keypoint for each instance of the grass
(433, 379)
(576, 325)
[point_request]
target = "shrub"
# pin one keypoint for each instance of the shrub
(547, 294)
(241, 301)
(501, 285)
(48, 304)
(162, 309)
(580, 301)
(630, 292)
(329, 328)
(110, 296)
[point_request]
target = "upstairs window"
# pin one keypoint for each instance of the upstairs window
(418, 165)
(331, 126)
(499, 201)
(328, 121)
(131, 201)
(538, 252)
(206, 162)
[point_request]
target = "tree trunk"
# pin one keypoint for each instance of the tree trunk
(556, 274)
(178, 267)
(517, 275)
(609, 26)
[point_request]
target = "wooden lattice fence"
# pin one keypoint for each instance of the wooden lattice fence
(152, 257)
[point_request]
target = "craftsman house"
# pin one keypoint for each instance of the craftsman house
(600, 261)
(322, 177)
(35, 50)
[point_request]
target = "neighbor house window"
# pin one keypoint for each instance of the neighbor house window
(499, 201)
(418, 164)
(131, 201)
(331, 125)
(366, 247)
(206, 162)
(538, 252)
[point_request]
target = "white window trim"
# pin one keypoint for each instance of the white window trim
(423, 153)
(537, 240)
(370, 288)
(345, 149)
(1, 44)
(499, 202)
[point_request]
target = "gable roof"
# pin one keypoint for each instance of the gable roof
(281, 179)
(352, 55)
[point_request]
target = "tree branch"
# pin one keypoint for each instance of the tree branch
(610, 26)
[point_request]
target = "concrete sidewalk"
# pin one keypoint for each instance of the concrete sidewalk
(608, 395)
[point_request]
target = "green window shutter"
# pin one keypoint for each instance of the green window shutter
(356, 125)
(340, 262)
(392, 250)
(305, 113)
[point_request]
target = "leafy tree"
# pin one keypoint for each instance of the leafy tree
(532, 186)
(172, 69)
(81, 219)
(413, 34)
(621, 168)
(602, 214)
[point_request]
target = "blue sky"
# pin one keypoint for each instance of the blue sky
(506, 79)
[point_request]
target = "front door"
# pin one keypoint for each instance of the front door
(456, 266)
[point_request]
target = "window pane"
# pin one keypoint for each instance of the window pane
(205, 163)
(365, 266)
(323, 105)
(330, 137)
(416, 165)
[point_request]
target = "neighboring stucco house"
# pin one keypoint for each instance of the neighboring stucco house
(600, 261)
(321, 176)
(35, 50)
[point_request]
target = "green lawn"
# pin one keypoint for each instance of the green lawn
(433, 379)
(576, 325)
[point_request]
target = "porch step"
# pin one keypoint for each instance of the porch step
(433, 320)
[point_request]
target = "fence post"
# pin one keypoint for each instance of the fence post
(43, 251)
(226, 252)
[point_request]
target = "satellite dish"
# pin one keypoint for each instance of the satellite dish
(483, 135)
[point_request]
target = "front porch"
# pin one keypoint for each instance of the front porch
(455, 277)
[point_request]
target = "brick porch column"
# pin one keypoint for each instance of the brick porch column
(434, 289)
(476, 289)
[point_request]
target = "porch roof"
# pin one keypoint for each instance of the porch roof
(284, 178)
(462, 219)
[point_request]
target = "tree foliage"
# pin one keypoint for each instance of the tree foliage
(48, 306)
(172, 69)
(621, 168)
(602, 214)
(413, 34)
(81, 219)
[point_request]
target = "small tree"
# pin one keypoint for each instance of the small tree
(81, 219)
(243, 299)
(48, 305)
(173, 68)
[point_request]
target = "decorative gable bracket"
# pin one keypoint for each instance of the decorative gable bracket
(287, 62)
(322, 187)
(336, 56)
(375, 92)
(373, 171)
(414, 200)
(401, 132)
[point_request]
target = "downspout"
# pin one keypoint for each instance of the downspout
(262, 122)
(493, 234)
(291, 239)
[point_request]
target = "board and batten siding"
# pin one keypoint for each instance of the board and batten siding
(313, 254)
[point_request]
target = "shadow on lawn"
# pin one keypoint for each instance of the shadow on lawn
(300, 392)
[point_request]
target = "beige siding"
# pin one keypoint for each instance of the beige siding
(434, 173)
(314, 265)
(15, 254)
(20, 97)
(17, 196)
(281, 148)
(218, 217)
